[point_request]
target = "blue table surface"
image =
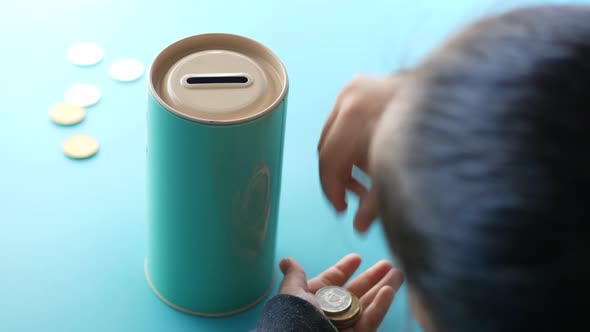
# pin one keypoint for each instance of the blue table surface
(73, 233)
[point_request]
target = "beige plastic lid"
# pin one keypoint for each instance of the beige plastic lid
(218, 79)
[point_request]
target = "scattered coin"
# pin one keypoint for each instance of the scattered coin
(126, 70)
(334, 299)
(85, 54)
(66, 114)
(80, 147)
(82, 95)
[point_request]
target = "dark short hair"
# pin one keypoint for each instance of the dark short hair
(488, 207)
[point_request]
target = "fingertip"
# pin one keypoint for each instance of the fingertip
(381, 269)
(385, 263)
(361, 222)
(388, 288)
(387, 292)
(354, 257)
(340, 206)
(353, 260)
(398, 278)
(335, 192)
(284, 265)
(367, 212)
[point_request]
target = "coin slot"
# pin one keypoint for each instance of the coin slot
(217, 80)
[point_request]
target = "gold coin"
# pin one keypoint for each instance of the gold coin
(346, 324)
(80, 147)
(67, 114)
(351, 313)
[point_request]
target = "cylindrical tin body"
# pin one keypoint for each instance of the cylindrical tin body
(216, 124)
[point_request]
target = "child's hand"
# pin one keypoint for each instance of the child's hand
(375, 287)
(345, 142)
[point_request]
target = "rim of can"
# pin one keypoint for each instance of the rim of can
(266, 110)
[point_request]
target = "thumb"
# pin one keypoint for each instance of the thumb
(367, 212)
(294, 280)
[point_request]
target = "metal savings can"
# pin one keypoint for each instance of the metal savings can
(216, 123)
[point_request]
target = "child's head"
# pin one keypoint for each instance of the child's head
(483, 169)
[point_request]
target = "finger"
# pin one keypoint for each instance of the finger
(393, 278)
(336, 275)
(334, 174)
(366, 280)
(356, 187)
(367, 212)
(336, 159)
(375, 312)
(329, 122)
(362, 162)
(294, 277)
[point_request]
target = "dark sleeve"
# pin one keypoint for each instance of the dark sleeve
(287, 313)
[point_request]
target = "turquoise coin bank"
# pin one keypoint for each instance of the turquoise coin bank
(216, 124)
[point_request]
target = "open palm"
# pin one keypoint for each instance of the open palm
(375, 288)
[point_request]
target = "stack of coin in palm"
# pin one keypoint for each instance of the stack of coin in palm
(341, 307)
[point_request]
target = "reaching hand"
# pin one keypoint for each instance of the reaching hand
(375, 287)
(345, 142)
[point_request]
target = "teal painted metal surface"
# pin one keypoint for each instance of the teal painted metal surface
(213, 202)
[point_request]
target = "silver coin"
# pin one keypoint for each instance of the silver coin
(334, 299)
